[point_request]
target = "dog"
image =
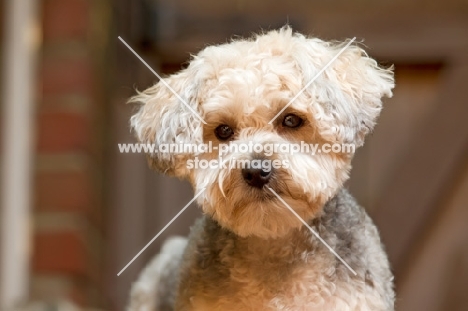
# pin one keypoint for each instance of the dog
(250, 250)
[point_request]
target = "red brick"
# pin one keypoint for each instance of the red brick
(64, 76)
(59, 252)
(65, 19)
(62, 191)
(62, 132)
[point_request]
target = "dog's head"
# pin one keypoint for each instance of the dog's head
(238, 89)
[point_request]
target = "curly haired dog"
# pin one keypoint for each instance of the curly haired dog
(250, 251)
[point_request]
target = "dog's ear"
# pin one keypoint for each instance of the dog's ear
(347, 97)
(164, 118)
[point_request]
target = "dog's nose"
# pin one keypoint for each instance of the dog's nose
(256, 177)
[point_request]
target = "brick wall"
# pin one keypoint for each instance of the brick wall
(68, 197)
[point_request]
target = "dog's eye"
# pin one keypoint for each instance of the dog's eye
(224, 132)
(292, 121)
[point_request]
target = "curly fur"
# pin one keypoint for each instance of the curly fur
(249, 252)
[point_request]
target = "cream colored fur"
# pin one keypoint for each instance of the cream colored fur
(259, 255)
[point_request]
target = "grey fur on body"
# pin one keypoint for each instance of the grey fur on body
(212, 253)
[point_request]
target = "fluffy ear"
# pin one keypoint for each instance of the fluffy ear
(164, 119)
(347, 97)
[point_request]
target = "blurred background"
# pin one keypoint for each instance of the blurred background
(74, 211)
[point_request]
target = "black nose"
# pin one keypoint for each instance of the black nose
(256, 177)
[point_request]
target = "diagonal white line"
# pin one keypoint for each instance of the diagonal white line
(162, 230)
(313, 231)
(313, 79)
(162, 81)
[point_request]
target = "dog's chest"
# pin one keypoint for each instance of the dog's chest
(303, 289)
(266, 284)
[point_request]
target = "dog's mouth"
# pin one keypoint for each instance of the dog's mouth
(279, 187)
(262, 195)
(263, 212)
(264, 187)
(248, 208)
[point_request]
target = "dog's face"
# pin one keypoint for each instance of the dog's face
(238, 88)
